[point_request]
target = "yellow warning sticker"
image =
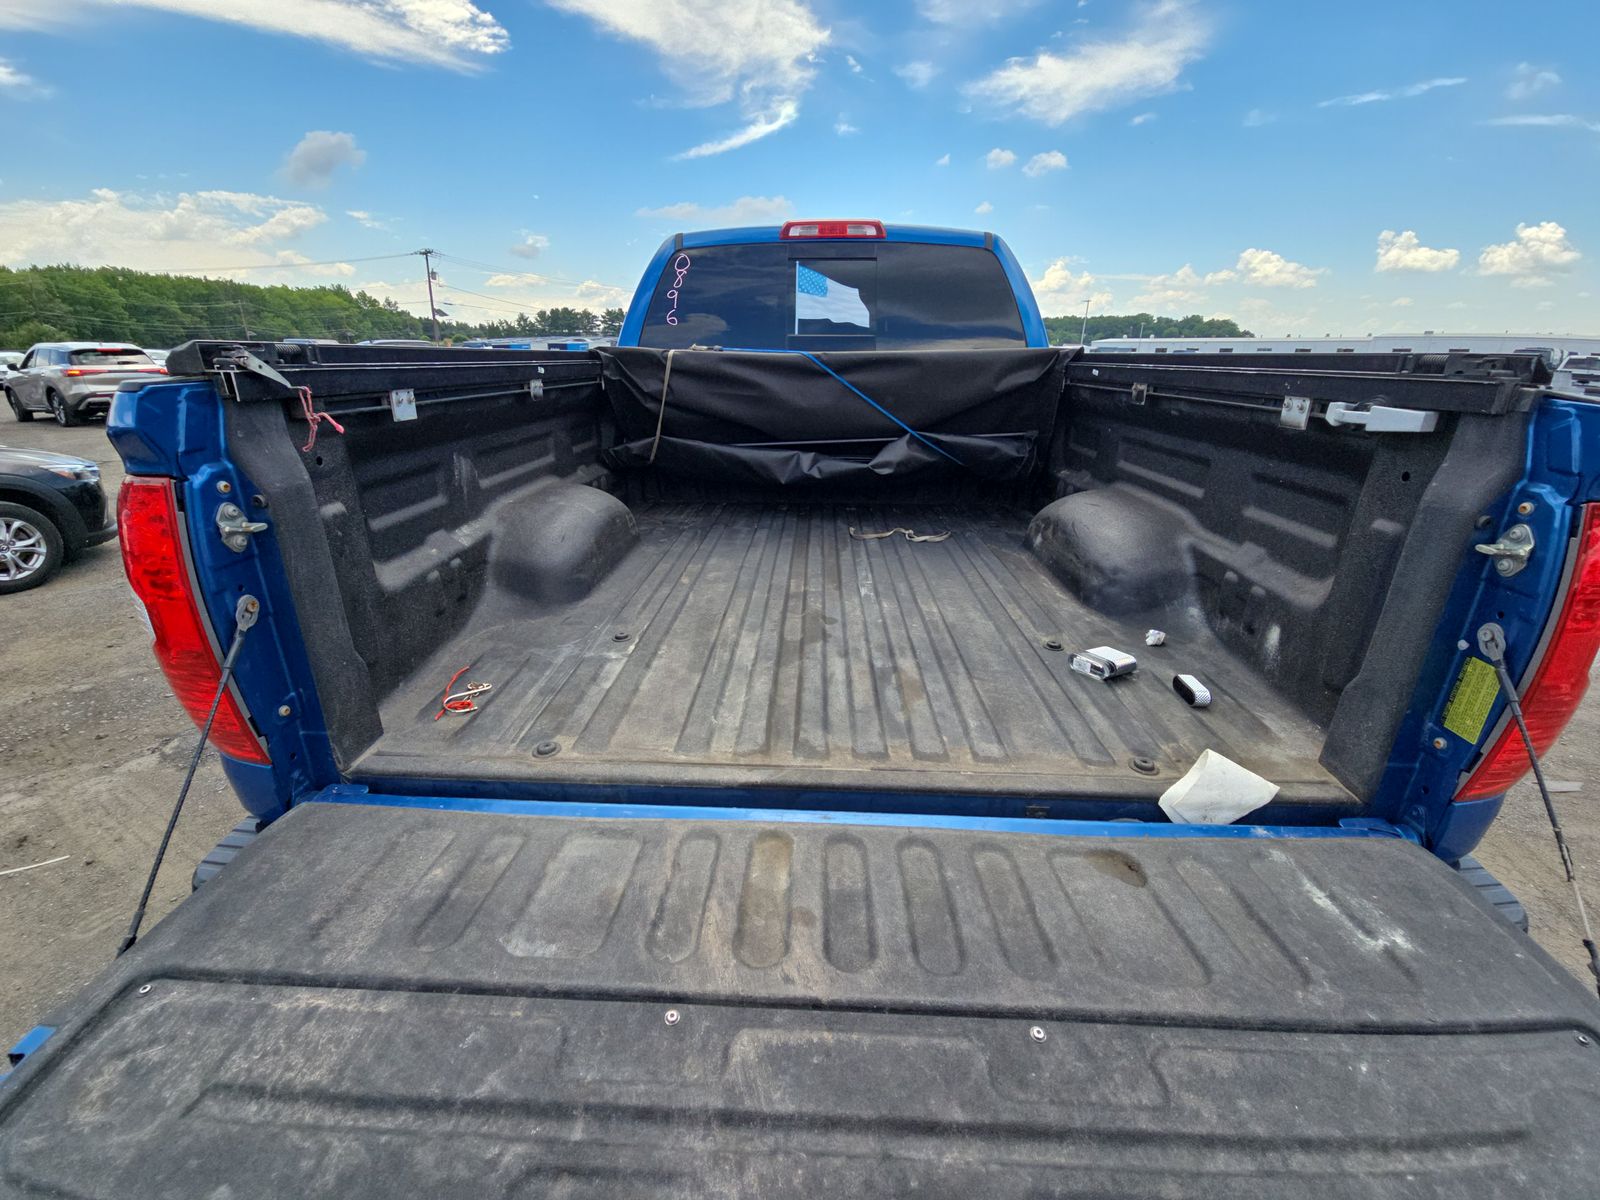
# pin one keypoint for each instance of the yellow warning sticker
(1471, 699)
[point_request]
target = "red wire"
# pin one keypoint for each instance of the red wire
(458, 705)
(313, 417)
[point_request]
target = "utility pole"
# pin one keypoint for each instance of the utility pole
(244, 324)
(1083, 337)
(427, 264)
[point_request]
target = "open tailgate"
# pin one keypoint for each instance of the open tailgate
(393, 1001)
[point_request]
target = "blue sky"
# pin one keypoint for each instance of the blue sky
(1306, 168)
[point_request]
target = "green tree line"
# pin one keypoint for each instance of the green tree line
(61, 303)
(1070, 329)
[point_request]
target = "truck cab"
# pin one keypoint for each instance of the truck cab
(667, 771)
(857, 285)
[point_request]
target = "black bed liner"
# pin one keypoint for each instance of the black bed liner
(762, 646)
(392, 1002)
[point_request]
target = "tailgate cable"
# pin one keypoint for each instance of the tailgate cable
(245, 614)
(1492, 641)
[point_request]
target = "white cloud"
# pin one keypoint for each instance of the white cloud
(1412, 89)
(843, 127)
(1273, 270)
(1357, 99)
(761, 55)
(195, 232)
(1401, 302)
(746, 210)
(1096, 75)
(850, 61)
(1427, 85)
(1405, 252)
(326, 270)
(318, 155)
(13, 80)
(784, 114)
(592, 293)
(942, 161)
(1043, 164)
(998, 159)
(983, 208)
(971, 12)
(530, 245)
(364, 218)
(1530, 81)
(1529, 257)
(917, 74)
(1059, 291)
(450, 33)
(511, 279)
(1143, 118)
(1550, 121)
(1183, 286)
(1256, 118)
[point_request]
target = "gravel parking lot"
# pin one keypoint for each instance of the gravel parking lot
(93, 748)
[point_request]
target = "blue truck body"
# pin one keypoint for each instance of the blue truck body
(175, 430)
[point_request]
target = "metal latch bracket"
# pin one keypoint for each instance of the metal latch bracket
(403, 404)
(1295, 413)
(236, 528)
(1511, 552)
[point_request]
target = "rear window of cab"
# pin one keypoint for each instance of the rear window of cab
(834, 296)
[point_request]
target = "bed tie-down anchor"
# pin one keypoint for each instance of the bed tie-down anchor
(1297, 412)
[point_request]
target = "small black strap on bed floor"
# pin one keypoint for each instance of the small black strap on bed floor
(1492, 642)
(244, 614)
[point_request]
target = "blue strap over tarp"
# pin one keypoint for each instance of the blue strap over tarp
(806, 354)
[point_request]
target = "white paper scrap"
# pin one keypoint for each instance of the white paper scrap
(1215, 791)
(1154, 637)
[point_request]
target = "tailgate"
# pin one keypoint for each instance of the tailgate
(393, 1001)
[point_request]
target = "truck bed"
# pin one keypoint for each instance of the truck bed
(751, 645)
(389, 1001)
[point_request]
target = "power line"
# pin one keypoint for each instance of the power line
(290, 266)
(500, 301)
(483, 266)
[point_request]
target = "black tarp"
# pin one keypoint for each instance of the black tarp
(787, 418)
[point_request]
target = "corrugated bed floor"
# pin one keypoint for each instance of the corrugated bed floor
(766, 646)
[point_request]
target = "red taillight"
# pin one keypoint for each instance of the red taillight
(74, 372)
(1558, 683)
(154, 557)
(832, 229)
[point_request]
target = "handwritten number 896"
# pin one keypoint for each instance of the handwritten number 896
(680, 269)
